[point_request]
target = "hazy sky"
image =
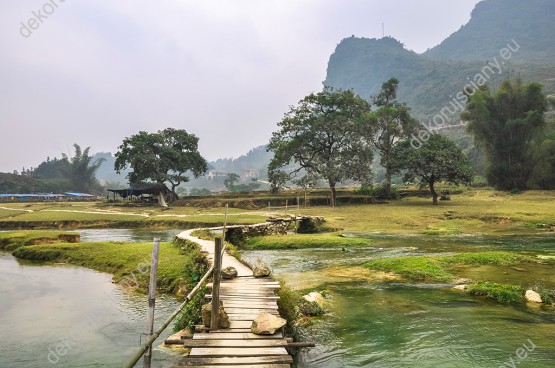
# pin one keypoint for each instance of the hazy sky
(96, 71)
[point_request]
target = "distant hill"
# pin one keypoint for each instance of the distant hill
(429, 81)
(530, 23)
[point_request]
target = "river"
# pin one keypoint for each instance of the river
(55, 315)
(92, 322)
(374, 323)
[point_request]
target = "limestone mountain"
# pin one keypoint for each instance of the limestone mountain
(493, 23)
(429, 81)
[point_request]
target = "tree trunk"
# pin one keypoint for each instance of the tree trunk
(434, 194)
(388, 174)
(333, 193)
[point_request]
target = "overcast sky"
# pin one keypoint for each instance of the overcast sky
(93, 72)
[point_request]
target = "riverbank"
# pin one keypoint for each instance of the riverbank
(179, 266)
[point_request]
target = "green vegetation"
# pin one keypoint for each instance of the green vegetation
(74, 174)
(530, 21)
(499, 292)
(161, 157)
(413, 268)
(436, 159)
(390, 122)
(298, 241)
(429, 268)
(192, 313)
(321, 138)
(80, 171)
(12, 240)
(180, 266)
(510, 127)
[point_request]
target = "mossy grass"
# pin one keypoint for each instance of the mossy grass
(502, 293)
(413, 268)
(12, 240)
(434, 268)
(179, 267)
(299, 241)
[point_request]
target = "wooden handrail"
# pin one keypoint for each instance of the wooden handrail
(140, 352)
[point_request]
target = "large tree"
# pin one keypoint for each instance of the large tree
(390, 122)
(80, 170)
(162, 157)
(320, 137)
(437, 159)
(508, 126)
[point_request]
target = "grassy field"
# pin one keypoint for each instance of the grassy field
(474, 211)
(99, 215)
(482, 211)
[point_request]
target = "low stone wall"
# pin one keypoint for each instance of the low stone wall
(238, 234)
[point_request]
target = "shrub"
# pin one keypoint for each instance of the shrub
(377, 192)
(500, 292)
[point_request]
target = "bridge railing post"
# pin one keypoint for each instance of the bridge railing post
(214, 317)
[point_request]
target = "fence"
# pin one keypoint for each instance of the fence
(148, 344)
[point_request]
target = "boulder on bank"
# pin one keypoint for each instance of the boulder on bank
(311, 304)
(229, 273)
(223, 320)
(532, 296)
(261, 271)
(267, 324)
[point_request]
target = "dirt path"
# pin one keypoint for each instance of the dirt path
(208, 246)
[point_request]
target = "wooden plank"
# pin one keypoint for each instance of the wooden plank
(262, 365)
(236, 343)
(231, 310)
(235, 352)
(245, 304)
(240, 324)
(245, 282)
(266, 285)
(272, 359)
(234, 330)
(243, 317)
(244, 297)
(228, 291)
(234, 336)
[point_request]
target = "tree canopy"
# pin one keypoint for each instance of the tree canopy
(162, 157)
(438, 159)
(320, 137)
(509, 126)
(80, 170)
(390, 122)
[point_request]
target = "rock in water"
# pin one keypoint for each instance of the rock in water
(261, 271)
(532, 296)
(267, 324)
(223, 320)
(229, 273)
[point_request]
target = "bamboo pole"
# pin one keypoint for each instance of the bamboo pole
(151, 300)
(214, 317)
(139, 353)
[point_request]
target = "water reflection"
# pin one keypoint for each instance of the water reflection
(98, 322)
(126, 235)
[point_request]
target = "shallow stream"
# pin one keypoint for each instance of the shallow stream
(385, 323)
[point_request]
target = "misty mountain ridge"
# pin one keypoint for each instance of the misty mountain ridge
(429, 81)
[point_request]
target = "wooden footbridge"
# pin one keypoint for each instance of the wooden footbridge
(243, 299)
